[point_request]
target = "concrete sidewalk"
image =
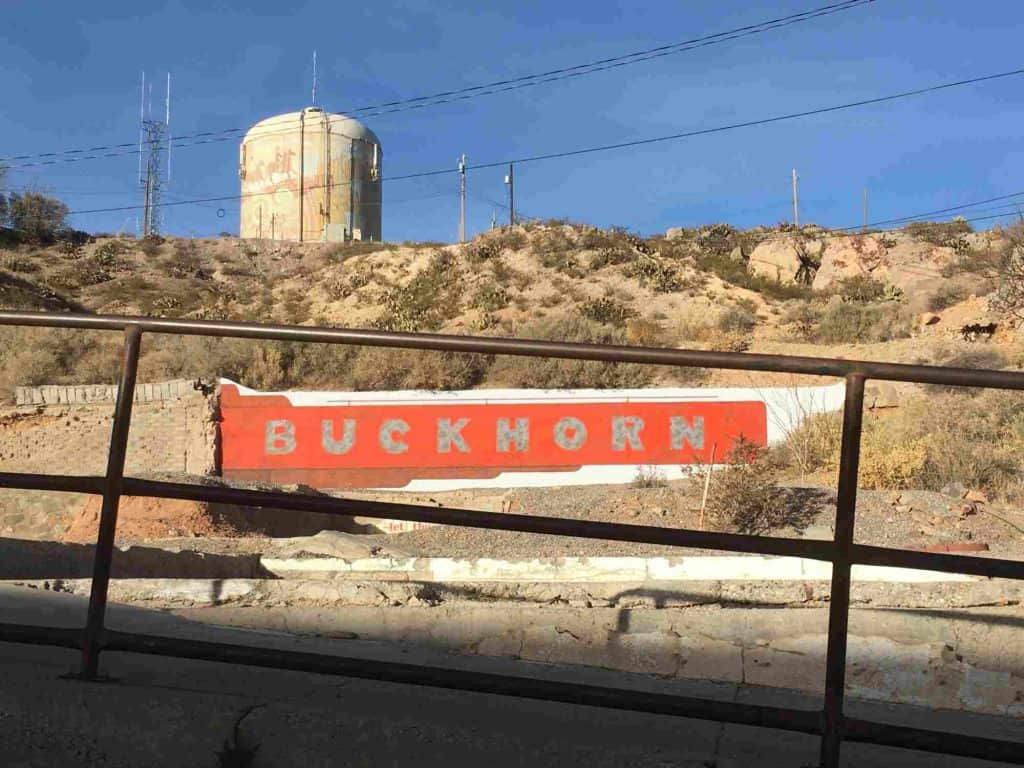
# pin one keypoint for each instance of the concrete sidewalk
(172, 712)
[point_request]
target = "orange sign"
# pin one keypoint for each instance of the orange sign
(387, 444)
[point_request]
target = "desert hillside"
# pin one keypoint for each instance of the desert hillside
(901, 296)
(912, 295)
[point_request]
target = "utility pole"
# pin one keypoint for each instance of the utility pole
(462, 199)
(865, 209)
(796, 202)
(510, 180)
(494, 219)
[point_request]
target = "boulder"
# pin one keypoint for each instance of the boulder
(846, 257)
(776, 259)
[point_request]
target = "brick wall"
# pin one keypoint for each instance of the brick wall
(62, 429)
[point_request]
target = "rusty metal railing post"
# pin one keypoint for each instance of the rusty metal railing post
(103, 558)
(839, 600)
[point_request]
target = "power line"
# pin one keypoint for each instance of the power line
(497, 86)
(622, 145)
(752, 123)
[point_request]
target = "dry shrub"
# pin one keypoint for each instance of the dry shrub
(644, 333)
(884, 464)
(556, 374)
(745, 497)
(930, 442)
(725, 331)
(33, 356)
(375, 368)
(810, 446)
(649, 477)
(852, 322)
(948, 294)
(939, 232)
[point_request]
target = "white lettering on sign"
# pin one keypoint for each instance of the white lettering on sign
(280, 437)
(683, 433)
(570, 434)
(348, 436)
(519, 437)
(626, 429)
(449, 434)
(388, 441)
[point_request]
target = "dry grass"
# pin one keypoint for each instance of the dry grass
(930, 442)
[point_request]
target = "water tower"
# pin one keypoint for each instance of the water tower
(310, 176)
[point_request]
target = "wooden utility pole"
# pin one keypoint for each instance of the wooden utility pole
(510, 180)
(462, 199)
(865, 209)
(796, 201)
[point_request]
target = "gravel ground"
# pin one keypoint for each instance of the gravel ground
(905, 519)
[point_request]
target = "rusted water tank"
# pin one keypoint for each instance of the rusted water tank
(310, 176)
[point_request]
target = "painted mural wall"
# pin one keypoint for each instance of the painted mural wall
(498, 438)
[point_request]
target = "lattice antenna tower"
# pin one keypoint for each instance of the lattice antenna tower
(154, 137)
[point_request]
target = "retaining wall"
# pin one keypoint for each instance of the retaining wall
(56, 429)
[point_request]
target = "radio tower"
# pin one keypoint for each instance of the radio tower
(153, 138)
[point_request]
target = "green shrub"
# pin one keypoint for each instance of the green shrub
(608, 256)
(861, 288)
(939, 232)
(491, 298)
(481, 250)
(735, 271)
(431, 297)
(657, 275)
(184, 261)
(606, 310)
(107, 252)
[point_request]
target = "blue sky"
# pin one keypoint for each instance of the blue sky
(70, 74)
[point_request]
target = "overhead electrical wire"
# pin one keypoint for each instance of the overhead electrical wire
(468, 92)
(618, 145)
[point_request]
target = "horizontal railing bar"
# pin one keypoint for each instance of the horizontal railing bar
(802, 721)
(811, 548)
(40, 635)
(937, 561)
(945, 742)
(584, 529)
(63, 483)
(813, 366)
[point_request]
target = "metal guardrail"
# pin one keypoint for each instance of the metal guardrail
(830, 723)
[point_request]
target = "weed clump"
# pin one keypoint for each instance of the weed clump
(745, 497)
(431, 297)
(606, 310)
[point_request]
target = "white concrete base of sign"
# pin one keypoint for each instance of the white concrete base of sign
(593, 569)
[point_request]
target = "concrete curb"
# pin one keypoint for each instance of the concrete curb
(591, 569)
